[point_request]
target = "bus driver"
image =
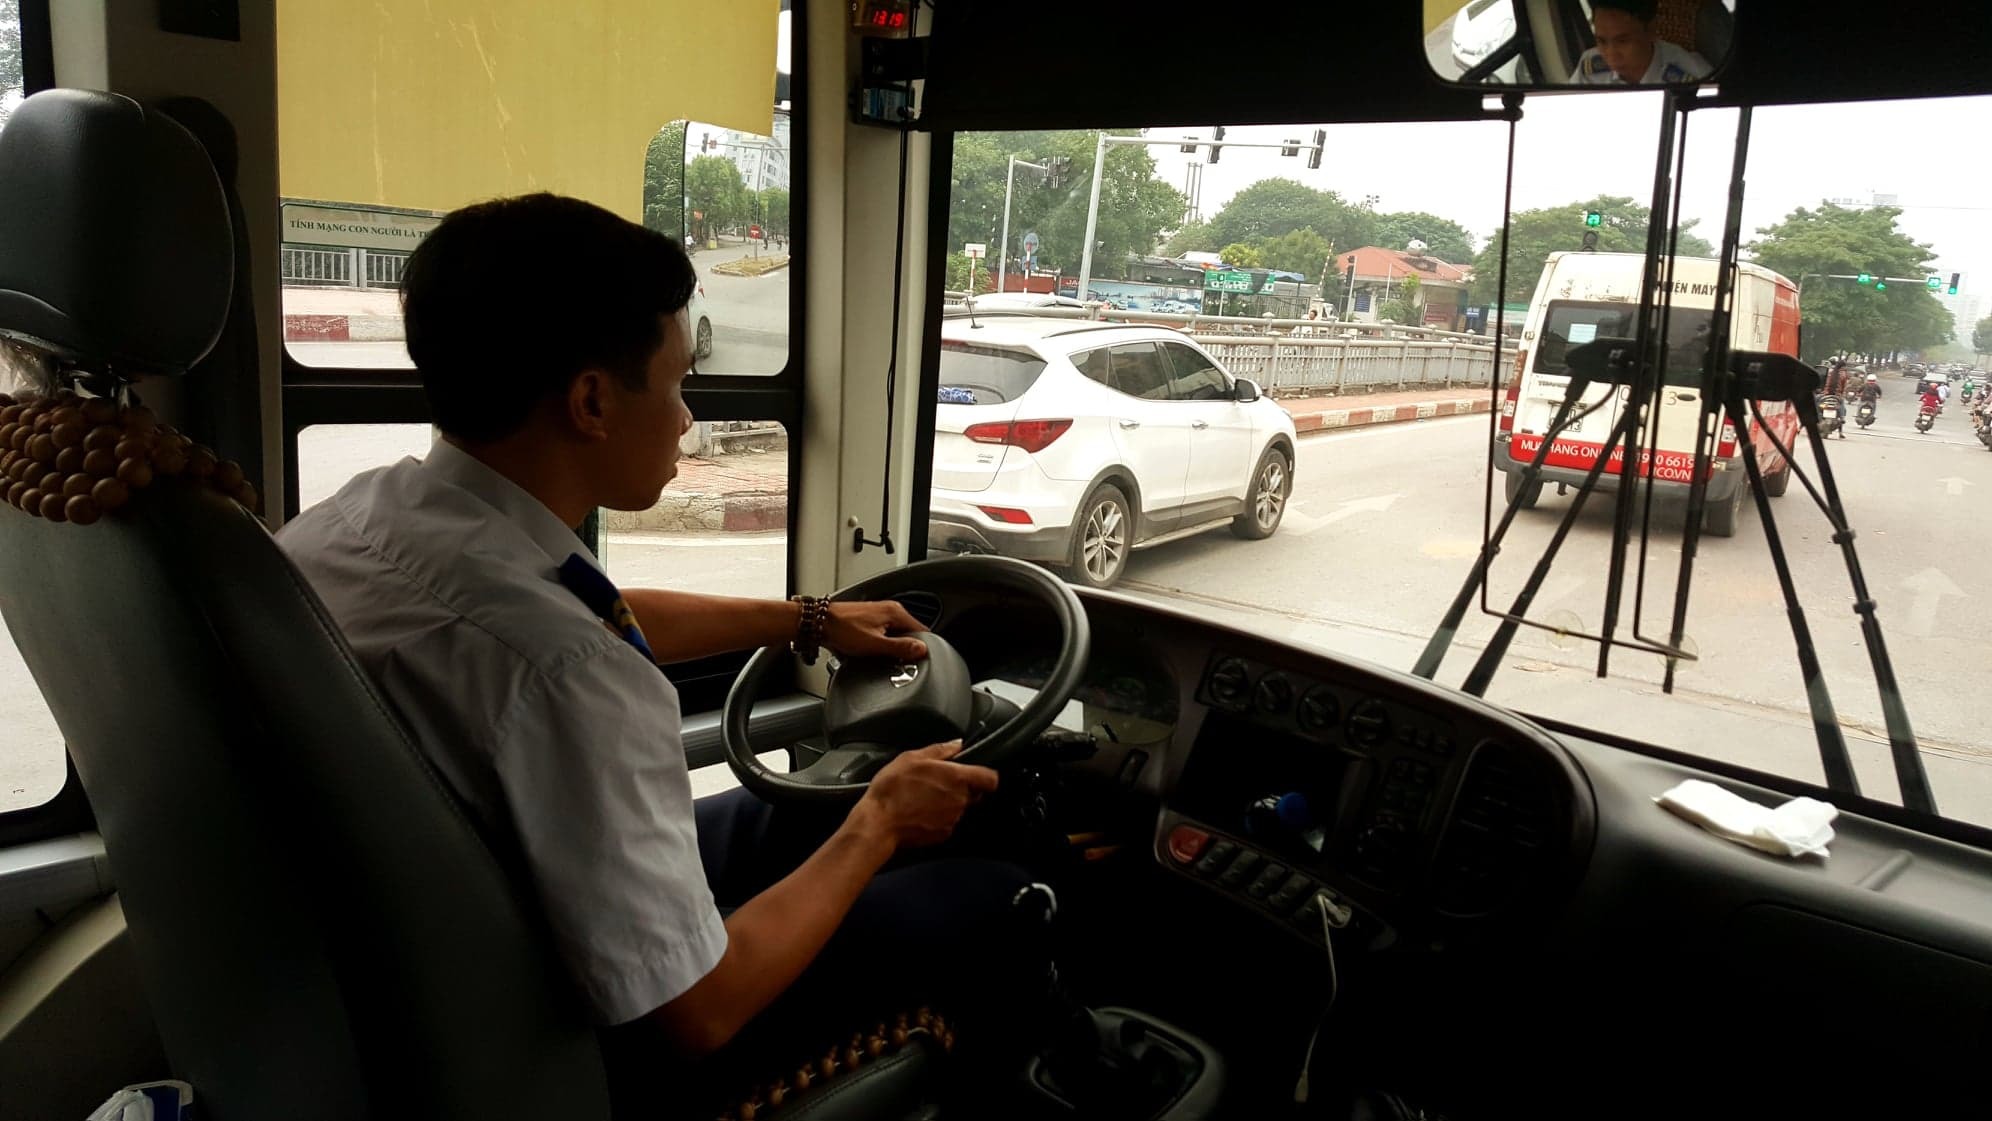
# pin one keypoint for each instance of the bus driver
(533, 685)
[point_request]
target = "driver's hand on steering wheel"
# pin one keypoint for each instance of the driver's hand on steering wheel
(919, 797)
(867, 630)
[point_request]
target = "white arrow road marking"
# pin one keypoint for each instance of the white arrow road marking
(1928, 587)
(1302, 524)
(1954, 485)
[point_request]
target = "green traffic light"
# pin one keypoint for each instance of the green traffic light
(1933, 283)
(1864, 278)
(1594, 218)
(1879, 286)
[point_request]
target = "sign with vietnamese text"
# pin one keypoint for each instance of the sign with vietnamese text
(355, 227)
(975, 250)
(1230, 280)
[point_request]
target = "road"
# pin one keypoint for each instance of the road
(1383, 526)
(750, 323)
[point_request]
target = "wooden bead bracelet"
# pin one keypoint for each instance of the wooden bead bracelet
(70, 458)
(764, 1102)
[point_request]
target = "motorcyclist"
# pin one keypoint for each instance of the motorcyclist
(1871, 390)
(1836, 380)
(1930, 402)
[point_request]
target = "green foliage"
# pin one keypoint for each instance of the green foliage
(1272, 208)
(1135, 207)
(10, 51)
(1241, 256)
(1302, 251)
(1981, 336)
(715, 189)
(1196, 237)
(1840, 315)
(1538, 233)
(774, 209)
(1444, 238)
(1405, 304)
(664, 181)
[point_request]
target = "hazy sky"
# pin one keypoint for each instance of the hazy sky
(1570, 147)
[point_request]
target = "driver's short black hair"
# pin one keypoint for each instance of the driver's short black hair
(507, 301)
(1641, 10)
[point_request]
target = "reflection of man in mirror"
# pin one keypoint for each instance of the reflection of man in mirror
(1629, 52)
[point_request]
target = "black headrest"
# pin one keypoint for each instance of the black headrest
(115, 246)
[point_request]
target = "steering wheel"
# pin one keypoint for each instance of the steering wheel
(879, 707)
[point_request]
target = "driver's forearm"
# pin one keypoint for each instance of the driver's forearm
(681, 626)
(774, 937)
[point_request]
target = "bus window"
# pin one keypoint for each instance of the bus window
(31, 751)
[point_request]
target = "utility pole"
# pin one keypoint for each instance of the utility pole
(1003, 248)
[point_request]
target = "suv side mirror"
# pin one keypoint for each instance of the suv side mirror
(1244, 389)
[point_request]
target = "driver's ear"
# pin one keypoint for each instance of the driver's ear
(586, 404)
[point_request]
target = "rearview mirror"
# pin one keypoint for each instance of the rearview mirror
(1542, 44)
(1245, 389)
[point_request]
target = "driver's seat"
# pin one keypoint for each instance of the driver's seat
(321, 931)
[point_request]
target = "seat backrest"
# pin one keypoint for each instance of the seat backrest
(322, 931)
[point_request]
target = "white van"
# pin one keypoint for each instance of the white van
(1583, 296)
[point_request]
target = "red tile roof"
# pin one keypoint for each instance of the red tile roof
(1374, 262)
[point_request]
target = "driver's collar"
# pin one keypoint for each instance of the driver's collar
(459, 468)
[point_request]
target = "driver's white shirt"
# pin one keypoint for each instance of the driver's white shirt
(1671, 63)
(559, 736)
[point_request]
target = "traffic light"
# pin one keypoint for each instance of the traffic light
(1953, 284)
(1349, 277)
(1594, 218)
(1056, 170)
(1189, 147)
(1864, 278)
(1590, 241)
(1932, 283)
(1321, 142)
(1216, 143)
(1881, 286)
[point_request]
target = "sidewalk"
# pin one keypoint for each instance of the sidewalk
(748, 493)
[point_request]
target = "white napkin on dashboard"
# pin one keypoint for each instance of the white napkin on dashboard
(1800, 827)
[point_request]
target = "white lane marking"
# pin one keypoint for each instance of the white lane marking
(1301, 524)
(1954, 485)
(1929, 587)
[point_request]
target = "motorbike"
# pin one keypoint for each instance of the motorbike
(1832, 416)
(1864, 415)
(1925, 417)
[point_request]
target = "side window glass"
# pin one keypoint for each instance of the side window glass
(1093, 364)
(1196, 378)
(1139, 371)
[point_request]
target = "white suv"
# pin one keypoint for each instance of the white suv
(1071, 443)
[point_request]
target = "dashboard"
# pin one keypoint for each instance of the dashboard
(1308, 786)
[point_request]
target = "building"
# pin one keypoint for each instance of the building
(1379, 278)
(763, 160)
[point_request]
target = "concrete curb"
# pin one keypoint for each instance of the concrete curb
(343, 329)
(1358, 416)
(701, 512)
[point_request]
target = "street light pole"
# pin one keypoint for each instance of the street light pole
(1003, 249)
(1092, 218)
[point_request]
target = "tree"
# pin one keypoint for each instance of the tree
(1272, 208)
(1841, 315)
(1538, 233)
(663, 180)
(11, 80)
(1404, 305)
(1444, 238)
(714, 188)
(1981, 336)
(775, 209)
(1302, 251)
(1241, 256)
(1195, 237)
(1135, 207)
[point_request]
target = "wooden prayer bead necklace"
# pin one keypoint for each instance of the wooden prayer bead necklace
(763, 1103)
(70, 458)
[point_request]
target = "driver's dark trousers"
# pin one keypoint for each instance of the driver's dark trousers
(938, 932)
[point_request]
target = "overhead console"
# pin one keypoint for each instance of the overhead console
(1423, 809)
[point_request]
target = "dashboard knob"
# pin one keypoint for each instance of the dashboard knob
(1369, 723)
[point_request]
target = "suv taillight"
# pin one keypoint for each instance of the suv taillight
(1030, 435)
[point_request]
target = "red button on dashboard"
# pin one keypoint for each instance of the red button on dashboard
(1186, 843)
